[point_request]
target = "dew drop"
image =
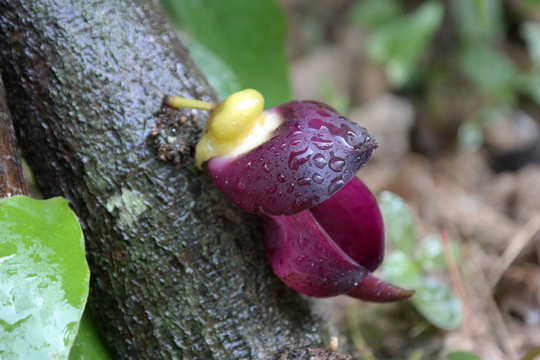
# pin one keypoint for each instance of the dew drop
(301, 204)
(271, 190)
(266, 167)
(322, 144)
(294, 133)
(317, 178)
(291, 188)
(304, 181)
(281, 178)
(247, 166)
(319, 161)
(336, 164)
(240, 186)
(335, 185)
(298, 158)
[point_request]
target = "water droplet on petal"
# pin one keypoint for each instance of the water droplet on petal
(335, 185)
(301, 204)
(281, 178)
(317, 178)
(240, 186)
(336, 164)
(319, 161)
(304, 181)
(291, 188)
(322, 144)
(298, 158)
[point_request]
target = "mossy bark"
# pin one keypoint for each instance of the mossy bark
(177, 271)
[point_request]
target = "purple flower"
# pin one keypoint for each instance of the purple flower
(332, 248)
(295, 165)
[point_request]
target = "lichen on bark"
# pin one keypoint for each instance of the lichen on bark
(177, 271)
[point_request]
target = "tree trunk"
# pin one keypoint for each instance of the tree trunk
(11, 172)
(177, 271)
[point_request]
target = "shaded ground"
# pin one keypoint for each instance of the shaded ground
(488, 199)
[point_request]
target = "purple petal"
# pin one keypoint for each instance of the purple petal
(313, 154)
(373, 289)
(304, 257)
(351, 217)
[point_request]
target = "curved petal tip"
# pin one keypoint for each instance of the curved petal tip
(376, 290)
(306, 259)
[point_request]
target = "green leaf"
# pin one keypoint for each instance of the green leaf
(89, 344)
(400, 44)
(430, 253)
(438, 304)
(248, 35)
(462, 355)
(373, 13)
(219, 75)
(496, 79)
(531, 34)
(400, 269)
(43, 278)
(478, 20)
(399, 223)
(532, 84)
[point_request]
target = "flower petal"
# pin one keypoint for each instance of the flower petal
(376, 290)
(306, 259)
(351, 217)
(311, 156)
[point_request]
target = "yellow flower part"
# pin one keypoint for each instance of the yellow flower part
(234, 127)
(230, 124)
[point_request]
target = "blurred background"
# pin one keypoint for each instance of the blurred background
(451, 91)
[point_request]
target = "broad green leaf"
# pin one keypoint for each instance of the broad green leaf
(400, 269)
(43, 278)
(438, 304)
(531, 33)
(497, 79)
(399, 223)
(533, 85)
(462, 355)
(222, 79)
(430, 253)
(373, 13)
(478, 20)
(400, 44)
(248, 35)
(89, 344)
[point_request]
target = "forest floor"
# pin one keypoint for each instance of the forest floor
(487, 199)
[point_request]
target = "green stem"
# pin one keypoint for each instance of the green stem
(179, 102)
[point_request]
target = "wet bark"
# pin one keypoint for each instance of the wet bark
(11, 172)
(177, 271)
